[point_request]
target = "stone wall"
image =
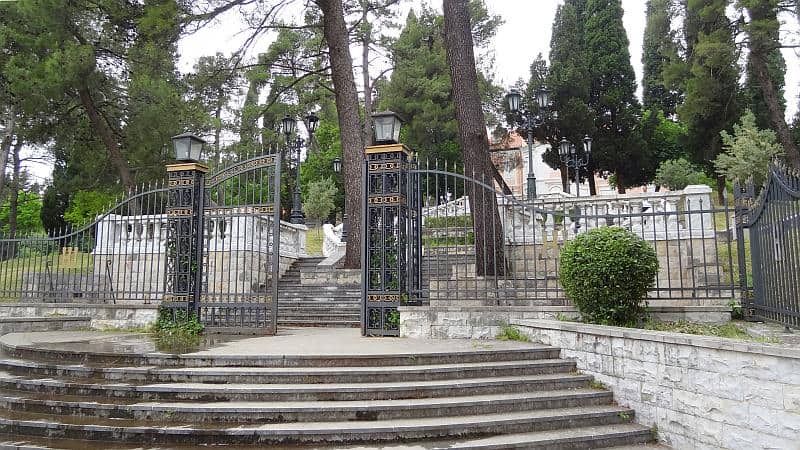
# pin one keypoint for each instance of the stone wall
(102, 316)
(699, 392)
(484, 322)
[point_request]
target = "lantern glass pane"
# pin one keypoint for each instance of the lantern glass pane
(181, 147)
(196, 149)
(383, 128)
(513, 98)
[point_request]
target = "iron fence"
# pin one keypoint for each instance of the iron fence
(691, 235)
(769, 227)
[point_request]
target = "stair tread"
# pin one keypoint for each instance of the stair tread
(292, 428)
(467, 383)
(336, 405)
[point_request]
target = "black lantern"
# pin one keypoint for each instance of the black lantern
(513, 98)
(587, 145)
(187, 147)
(387, 127)
(337, 165)
(543, 97)
(288, 125)
(312, 122)
(564, 147)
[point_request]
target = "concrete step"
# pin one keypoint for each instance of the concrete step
(309, 411)
(292, 374)
(289, 316)
(373, 431)
(629, 436)
(319, 324)
(46, 388)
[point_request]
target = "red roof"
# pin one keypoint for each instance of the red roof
(511, 141)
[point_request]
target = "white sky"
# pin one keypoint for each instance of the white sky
(525, 33)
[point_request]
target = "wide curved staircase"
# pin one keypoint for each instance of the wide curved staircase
(487, 397)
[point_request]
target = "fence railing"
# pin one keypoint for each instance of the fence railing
(691, 236)
(769, 230)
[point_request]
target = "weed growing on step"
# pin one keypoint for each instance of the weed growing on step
(654, 431)
(624, 416)
(176, 332)
(728, 330)
(509, 333)
(594, 384)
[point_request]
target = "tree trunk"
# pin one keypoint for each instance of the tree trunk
(592, 182)
(5, 148)
(335, 32)
(218, 128)
(107, 137)
(776, 112)
(13, 203)
(489, 254)
(365, 43)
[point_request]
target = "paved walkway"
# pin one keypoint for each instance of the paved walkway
(294, 341)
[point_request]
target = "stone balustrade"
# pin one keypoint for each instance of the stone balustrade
(332, 242)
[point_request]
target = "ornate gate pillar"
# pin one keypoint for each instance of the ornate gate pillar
(184, 245)
(388, 279)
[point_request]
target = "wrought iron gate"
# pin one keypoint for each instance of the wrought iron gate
(771, 224)
(241, 247)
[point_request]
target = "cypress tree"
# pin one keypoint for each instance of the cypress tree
(658, 49)
(612, 95)
(567, 79)
(712, 90)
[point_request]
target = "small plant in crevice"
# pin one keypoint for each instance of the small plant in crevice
(176, 331)
(509, 333)
(594, 384)
(392, 320)
(736, 309)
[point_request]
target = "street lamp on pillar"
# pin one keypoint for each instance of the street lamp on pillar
(288, 126)
(337, 168)
(570, 157)
(530, 121)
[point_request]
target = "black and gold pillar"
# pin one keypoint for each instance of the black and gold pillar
(184, 236)
(387, 228)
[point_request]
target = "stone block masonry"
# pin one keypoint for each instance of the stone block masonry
(699, 392)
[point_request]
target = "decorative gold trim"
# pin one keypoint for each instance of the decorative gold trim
(200, 167)
(390, 148)
(383, 298)
(386, 199)
(183, 212)
(181, 182)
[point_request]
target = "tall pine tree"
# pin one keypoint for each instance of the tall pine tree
(712, 90)
(568, 80)
(612, 96)
(658, 49)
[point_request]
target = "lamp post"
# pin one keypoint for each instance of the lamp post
(530, 121)
(570, 157)
(337, 168)
(288, 126)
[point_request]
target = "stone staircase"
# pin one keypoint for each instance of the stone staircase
(486, 397)
(334, 304)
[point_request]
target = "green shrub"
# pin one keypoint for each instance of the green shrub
(177, 331)
(607, 272)
(449, 222)
(509, 333)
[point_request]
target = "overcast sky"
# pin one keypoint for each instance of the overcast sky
(525, 33)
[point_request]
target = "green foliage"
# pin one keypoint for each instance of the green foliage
(510, 333)
(748, 152)
(607, 272)
(676, 174)
(176, 333)
(449, 241)
(662, 137)
(420, 86)
(319, 202)
(728, 330)
(85, 206)
(612, 95)
(319, 162)
(659, 48)
(712, 88)
(449, 222)
(392, 320)
(29, 211)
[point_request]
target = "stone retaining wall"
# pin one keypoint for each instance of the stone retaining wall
(484, 322)
(102, 316)
(699, 392)
(31, 324)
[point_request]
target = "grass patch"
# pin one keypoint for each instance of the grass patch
(180, 332)
(314, 240)
(728, 330)
(12, 270)
(732, 255)
(509, 333)
(449, 222)
(449, 241)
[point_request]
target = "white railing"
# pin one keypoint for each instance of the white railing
(332, 242)
(652, 215)
(237, 230)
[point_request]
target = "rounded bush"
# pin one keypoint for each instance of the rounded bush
(607, 272)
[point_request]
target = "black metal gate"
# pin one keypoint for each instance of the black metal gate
(771, 224)
(241, 247)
